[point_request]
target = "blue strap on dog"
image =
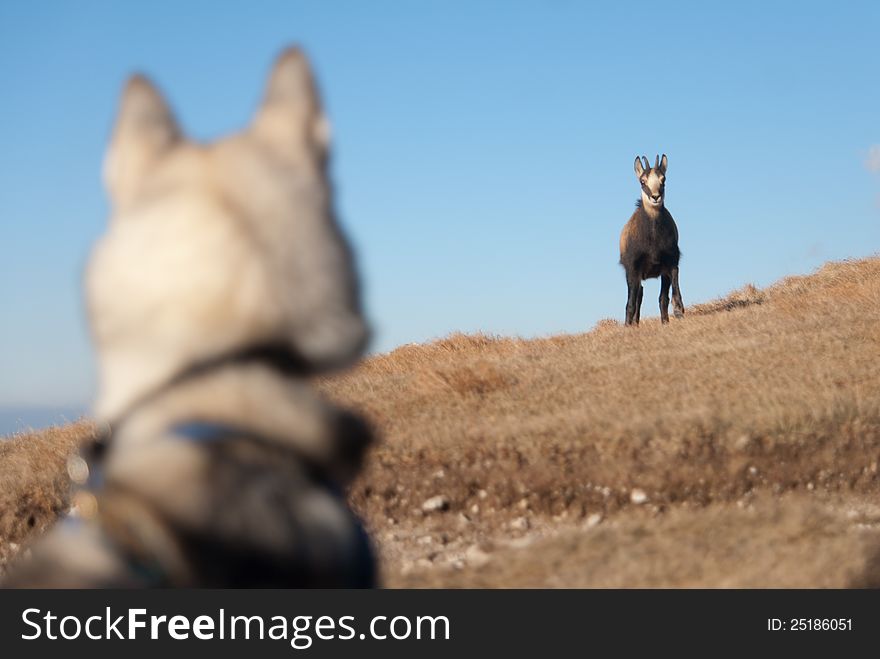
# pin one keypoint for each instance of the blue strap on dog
(207, 431)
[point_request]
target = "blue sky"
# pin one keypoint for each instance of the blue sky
(483, 150)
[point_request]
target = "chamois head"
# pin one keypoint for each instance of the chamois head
(653, 182)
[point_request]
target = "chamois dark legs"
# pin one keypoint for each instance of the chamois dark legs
(677, 304)
(639, 304)
(665, 281)
(634, 298)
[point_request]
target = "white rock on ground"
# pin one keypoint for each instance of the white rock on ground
(434, 504)
(638, 496)
(476, 556)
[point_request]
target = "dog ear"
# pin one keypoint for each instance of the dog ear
(290, 117)
(145, 128)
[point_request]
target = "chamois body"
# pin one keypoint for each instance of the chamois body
(649, 245)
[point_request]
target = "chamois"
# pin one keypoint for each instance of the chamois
(649, 244)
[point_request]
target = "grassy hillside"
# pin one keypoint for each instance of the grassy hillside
(763, 391)
(658, 455)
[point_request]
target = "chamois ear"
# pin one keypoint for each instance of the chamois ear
(639, 167)
(145, 129)
(290, 118)
(663, 163)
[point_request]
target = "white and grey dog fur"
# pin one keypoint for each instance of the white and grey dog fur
(222, 283)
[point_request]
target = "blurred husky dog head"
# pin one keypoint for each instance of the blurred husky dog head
(223, 279)
(218, 248)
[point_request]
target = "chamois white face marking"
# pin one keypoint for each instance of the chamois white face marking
(653, 182)
(653, 188)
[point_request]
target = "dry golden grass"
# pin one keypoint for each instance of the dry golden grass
(781, 389)
(789, 542)
(657, 455)
(775, 390)
(34, 486)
